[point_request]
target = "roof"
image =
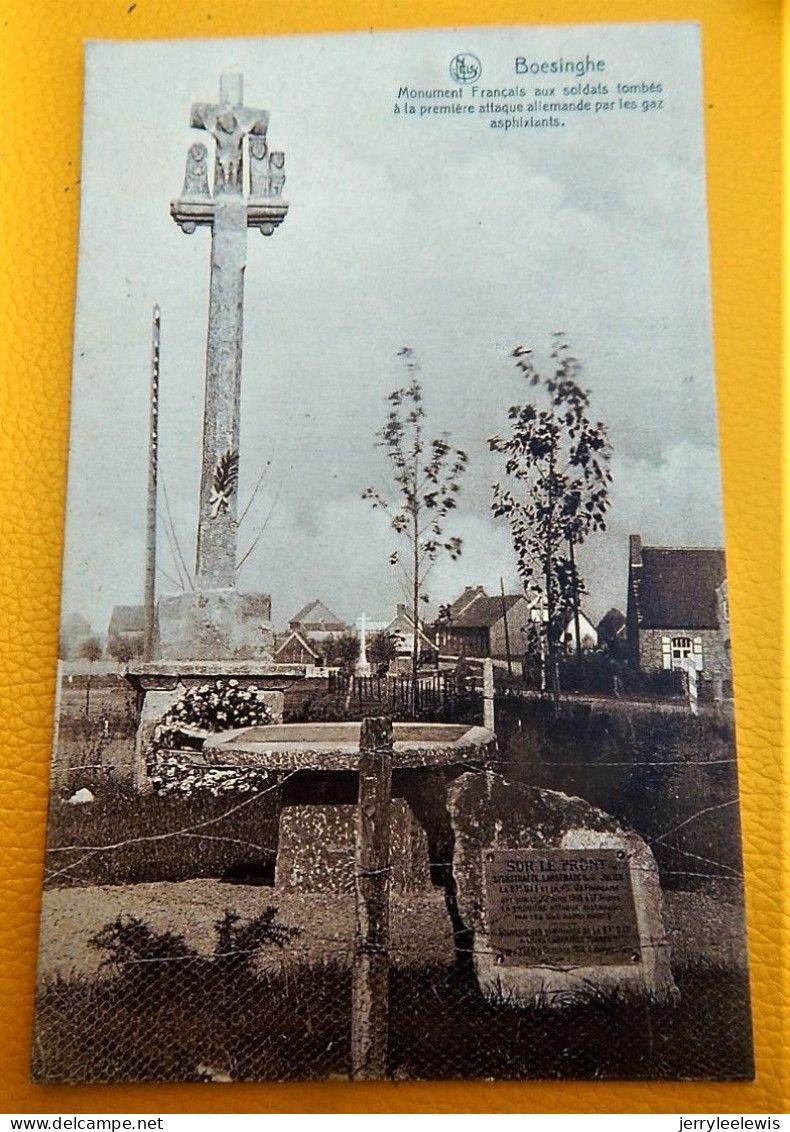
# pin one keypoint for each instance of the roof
(484, 611)
(316, 615)
(470, 594)
(403, 623)
(675, 587)
(611, 625)
(127, 619)
(283, 643)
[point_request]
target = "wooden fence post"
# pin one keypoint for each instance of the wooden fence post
(370, 974)
(692, 688)
(59, 771)
(488, 693)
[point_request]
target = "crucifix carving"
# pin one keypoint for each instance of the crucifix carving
(229, 123)
(228, 213)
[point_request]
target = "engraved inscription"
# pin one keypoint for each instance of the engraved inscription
(560, 907)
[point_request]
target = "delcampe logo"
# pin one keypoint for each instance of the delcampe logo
(465, 68)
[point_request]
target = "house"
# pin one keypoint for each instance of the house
(126, 631)
(611, 628)
(588, 634)
(74, 632)
(293, 648)
(401, 629)
(677, 608)
(479, 625)
(315, 622)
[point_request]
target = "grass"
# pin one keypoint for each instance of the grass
(164, 1029)
(672, 778)
(454, 1031)
(165, 1021)
(161, 838)
(650, 770)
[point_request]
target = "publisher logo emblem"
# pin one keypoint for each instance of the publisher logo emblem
(465, 68)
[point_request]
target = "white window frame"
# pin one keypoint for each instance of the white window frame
(680, 648)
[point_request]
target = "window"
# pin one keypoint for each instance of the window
(676, 651)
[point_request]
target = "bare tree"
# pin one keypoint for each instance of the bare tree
(558, 460)
(425, 481)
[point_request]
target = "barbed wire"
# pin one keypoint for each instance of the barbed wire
(176, 832)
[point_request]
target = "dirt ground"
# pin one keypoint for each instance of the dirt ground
(420, 926)
(699, 928)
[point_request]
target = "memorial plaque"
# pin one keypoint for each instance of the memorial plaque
(561, 906)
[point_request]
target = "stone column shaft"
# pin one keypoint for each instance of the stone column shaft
(217, 533)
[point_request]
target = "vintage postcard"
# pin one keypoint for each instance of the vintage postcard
(395, 728)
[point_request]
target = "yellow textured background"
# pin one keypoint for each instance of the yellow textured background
(40, 46)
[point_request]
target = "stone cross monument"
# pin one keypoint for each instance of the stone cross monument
(213, 631)
(363, 668)
(216, 622)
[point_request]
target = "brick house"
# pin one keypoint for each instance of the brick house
(677, 608)
(476, 625)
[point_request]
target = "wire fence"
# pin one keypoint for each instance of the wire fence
(278, 1014)
(235, 974)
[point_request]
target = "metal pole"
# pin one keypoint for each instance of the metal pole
(507, 631)
(149, 597)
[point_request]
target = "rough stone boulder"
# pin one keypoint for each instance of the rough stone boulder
(564, 903)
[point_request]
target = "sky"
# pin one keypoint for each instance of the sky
(439, 232)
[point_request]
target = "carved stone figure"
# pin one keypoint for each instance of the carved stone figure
(228, 125)
(196, 176)
(276, 174)
(259, 168)
(228, 215)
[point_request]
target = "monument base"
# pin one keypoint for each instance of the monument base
(160, 684)
(316, 849)
(222, 625)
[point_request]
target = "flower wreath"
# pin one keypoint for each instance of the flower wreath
(204, 710)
